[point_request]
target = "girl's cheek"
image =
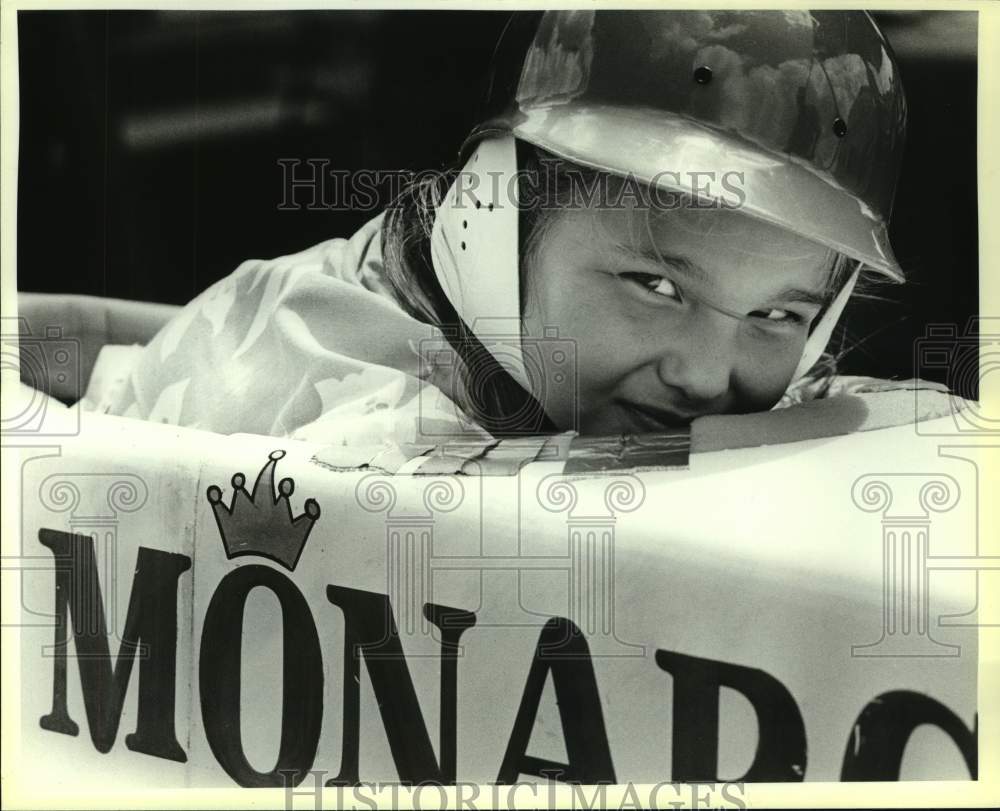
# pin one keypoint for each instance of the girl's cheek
(763, 378)
(611, 349)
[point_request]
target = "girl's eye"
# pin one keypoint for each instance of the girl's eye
(657, 285)
(779, 317)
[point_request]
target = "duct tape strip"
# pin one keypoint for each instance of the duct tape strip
(579, 455)
(627, 452)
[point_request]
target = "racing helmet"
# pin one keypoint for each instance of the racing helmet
(807, 107)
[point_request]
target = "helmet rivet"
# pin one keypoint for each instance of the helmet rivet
(839, 127)
(703, 74)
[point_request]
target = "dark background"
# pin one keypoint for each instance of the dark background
(149, 147)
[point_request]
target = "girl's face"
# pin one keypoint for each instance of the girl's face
(673, 314)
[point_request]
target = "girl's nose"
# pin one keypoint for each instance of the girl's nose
(699, 357)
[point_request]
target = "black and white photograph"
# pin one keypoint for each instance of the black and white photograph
(583, 406)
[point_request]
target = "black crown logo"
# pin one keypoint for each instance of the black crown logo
(260, 522)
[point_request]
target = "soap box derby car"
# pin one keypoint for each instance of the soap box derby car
(208, 610)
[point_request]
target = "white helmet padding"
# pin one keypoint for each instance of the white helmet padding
(474, 249)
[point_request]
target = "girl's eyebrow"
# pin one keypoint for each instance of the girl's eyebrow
(686, 266)
(660, 258)
(801, 296)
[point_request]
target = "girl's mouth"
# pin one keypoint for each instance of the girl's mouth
(649, 419)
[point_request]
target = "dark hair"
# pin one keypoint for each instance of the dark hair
(487, 392)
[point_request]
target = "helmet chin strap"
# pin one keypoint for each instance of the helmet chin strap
(820, 336)
(474, 249)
